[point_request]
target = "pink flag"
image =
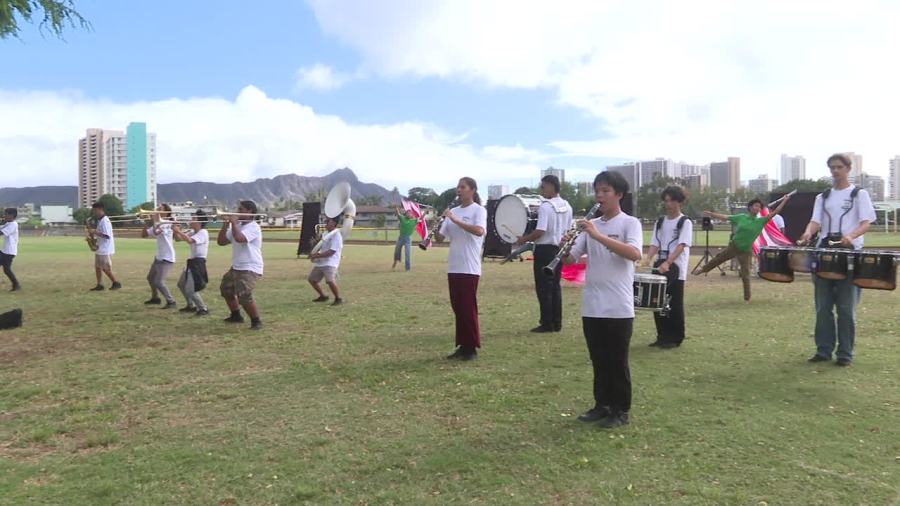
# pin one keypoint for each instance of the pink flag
(416, 211)
(770, 235)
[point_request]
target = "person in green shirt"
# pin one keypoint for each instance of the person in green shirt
(408, 224)
(747, 228)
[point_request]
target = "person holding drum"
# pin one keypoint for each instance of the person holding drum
(747, 228)
(465, 226)
(844, 212)
(613, 243)
(553, 220)
(670, 249)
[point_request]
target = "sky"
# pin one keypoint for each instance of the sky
(421, 92)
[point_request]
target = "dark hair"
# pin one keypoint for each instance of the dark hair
(473, 185)
(202, 218)
(675, 193)
(550, 178)
(612, 178)
(167, 211)
(842, 157)
(248, 205)
(11, 211)
(98, 205)
(755, 201)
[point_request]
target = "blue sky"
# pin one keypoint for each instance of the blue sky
(419, 93)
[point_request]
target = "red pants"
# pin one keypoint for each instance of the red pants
(464, 300)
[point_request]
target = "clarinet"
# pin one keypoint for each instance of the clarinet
(424, 245)
(550, 269)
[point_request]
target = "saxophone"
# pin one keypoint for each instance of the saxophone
(424, 245)
(90, 238)
(550, 269)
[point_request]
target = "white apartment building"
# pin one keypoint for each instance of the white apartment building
(792, 167)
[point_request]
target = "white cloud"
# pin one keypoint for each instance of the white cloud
(319, 77)
(697, 80)
(212, 139)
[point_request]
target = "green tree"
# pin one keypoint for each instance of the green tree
(112, 204)
(648, 203)
(444, 199)
(316, 195)
(54, 14)
(379, 220)
(81, 215)
(803, 185)
(524, 190)
(146, 206)
(371, 200)
(422, 195)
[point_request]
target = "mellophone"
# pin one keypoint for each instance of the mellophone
(870, 268)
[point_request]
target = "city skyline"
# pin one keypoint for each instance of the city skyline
(118, 163)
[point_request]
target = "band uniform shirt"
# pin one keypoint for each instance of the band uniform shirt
(609, 281)
(837, 203)
(165, 247)
(332, 241)
(465, 248)
(779, 221)
(10, 233)
(666, 236)
(247, 256)
(200, 246)
(747, 228)
(554, 218)
(105, 245)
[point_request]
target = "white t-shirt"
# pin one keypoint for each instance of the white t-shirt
(839, 202)
(247, 256)
(331, 241)
(465, 248)
(10, 231)
(165, 248)
(200, 247)
(554, 218)
(105, 245)
(609, 281)
(664, 239)
(779, 221)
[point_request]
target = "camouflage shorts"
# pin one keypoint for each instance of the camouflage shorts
(239, 284)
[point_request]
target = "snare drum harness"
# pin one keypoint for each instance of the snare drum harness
(825, 195)
(656, 229)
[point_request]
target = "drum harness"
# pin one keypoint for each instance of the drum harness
(663, 254)
(837, 235)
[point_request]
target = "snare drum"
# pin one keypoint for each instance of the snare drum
(774, 264)
(801, 260)
(650, 292)
(516, 215)
(875, 270)
(832, 263)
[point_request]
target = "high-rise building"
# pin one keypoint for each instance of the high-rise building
(91, 173)
(650, 169)
(495, 191)
(119, 163)
(141, 165)
(115, 163)
(726, 174)
(894, 179)
(552, 171)
(630, 171)
(694, 176)
(874, 185)
(585, 188)
(762, 184)
(792, 168)
(856, 166)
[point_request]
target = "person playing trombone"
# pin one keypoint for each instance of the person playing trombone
(194, 278)
(244, 234)
(165, 256)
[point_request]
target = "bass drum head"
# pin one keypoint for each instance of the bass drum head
(513, 217)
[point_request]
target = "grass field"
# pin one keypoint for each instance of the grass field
(105, 401)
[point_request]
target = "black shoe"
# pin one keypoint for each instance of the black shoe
(188, 309)
(655, 343)
(170, 305)
(16, 288)
(321, 298)
(540, 329)
(843, 362)
(115, 286)
(594, 414)
(614, 420)
(98, 288)
(202, 312)
(666, 345)
(468, 355)
(819, 358)
(557, 328)
(456, 353)
(337, 302)
(153, 301)
(256, 325)
(234, 319)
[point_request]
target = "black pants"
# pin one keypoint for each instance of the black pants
(549, 294)
(6, 261)
(607, 342)
(670, 328)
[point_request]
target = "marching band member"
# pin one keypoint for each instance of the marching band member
(553, 220)
(613, 244)
(106, 248)
(194, 278)
(10, 232)
(245, 236)
(164, 259)
(465, 226)
(408, 224)
(327, 260)
(844, 212)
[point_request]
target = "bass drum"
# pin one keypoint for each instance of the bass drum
(516, 215)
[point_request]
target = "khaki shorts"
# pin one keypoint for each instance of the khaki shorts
(239, 284)
(103, 261)
(318, 273)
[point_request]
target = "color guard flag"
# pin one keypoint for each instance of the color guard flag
(416, 211)
(770, 235)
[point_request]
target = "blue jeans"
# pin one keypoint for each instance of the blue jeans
(404, 241)
(844, 296)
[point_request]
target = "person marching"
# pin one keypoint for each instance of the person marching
(10, 232)
(245, 236)
(613, 243)
(194, 278)
(327, 260)
(408, 224)
(164, 259)
(670, 251)
(465, 226)
(106, 248)
(553, 220)
(747, 228)
(844, 212)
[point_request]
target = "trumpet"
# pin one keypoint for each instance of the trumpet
(549, 270)
(425, 244)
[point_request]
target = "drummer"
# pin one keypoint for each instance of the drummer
(844, 212)
(554, 218)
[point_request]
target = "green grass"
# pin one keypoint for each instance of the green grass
(107, 402)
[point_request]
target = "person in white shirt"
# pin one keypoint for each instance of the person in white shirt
(194, 278)
(327, 260)
(164, 259)
(842, 214)
(106, 248)
(779, 222)
(670, 249)
(553, 220)
(10, 232)
(464, 226)
(613, 243)
(244, 235)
